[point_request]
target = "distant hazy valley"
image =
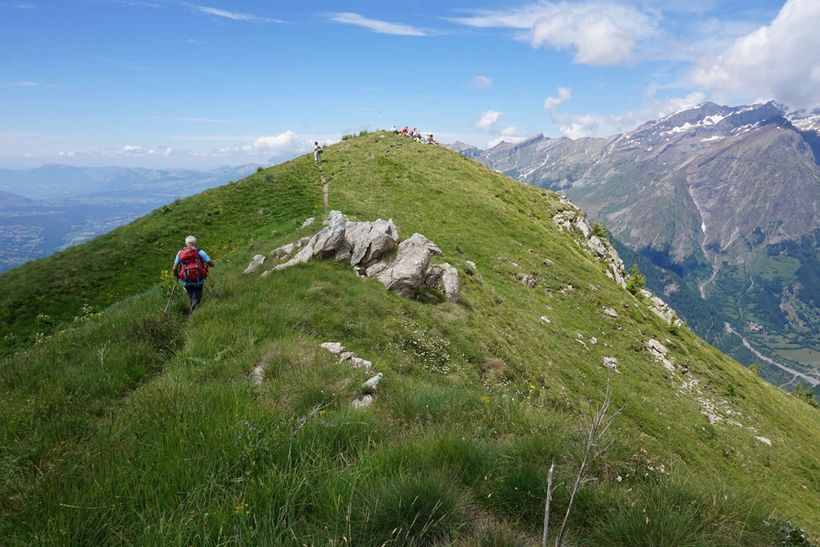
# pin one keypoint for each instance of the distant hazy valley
(53, 207)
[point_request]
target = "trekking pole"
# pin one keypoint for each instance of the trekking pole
(173, 289)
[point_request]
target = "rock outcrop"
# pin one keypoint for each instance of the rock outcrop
(365, 246)
(368, 389)
(659, 353)
(661, 308)
(571, 219)
(255, 263)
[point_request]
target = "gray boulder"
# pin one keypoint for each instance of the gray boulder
(408, 271)
(330, 241)
(368, 241)
(255, 263)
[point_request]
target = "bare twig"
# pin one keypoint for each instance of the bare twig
(300, 423)
(598, 426)
(547, 508)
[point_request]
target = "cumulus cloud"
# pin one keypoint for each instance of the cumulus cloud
(599, 32)
(780, 60)
(376, 25)
(488, 119)
(482, 81)
(564, 94)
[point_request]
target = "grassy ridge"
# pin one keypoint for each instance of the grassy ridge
(128, 429)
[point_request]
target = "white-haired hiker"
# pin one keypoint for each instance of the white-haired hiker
(317, 152)
(191, 267)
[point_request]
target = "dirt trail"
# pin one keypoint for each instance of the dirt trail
(325, 186)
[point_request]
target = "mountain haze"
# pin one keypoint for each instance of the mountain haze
(121, 426)
(724, 197)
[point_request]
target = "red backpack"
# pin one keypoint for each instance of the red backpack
(192, 267)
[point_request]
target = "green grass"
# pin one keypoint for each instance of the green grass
(123, 428)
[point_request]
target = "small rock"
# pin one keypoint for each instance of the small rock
(611, 363)
(346, 356)
(764, 440)
(593, 340)
(450, 282)
(333, 347)
(308, 221)
(609, 312)
(655, 347)
(362, 401)
(257, 261)
(258, 374)
(471, 268)
(358, 362)
(370, 385)
(528, 281)
(545, 319)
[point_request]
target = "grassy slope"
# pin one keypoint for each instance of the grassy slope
(125, 430)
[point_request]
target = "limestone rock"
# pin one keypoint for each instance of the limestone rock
(255, 263)
(258, 374)
(368, 241)
(330, 241)
(545, 319)
(659, 352)
(528, 281)
(609, 312)
(450, 282)
(764, 440)
(370, 385)
(661, 308)
(333, 347)
(358, 362)
(611, 363)
(362, 401)
(408, 271)
(308, 221)
(471, 268)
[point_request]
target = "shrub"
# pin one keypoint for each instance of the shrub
(599, 230)
(636, 281)
(805, 393)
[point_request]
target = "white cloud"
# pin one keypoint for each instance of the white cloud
(599, 32)
(29, 83)
(285, 141)
(488, 119)
(235, 16)
(575, 131)
(586, 125)
(382, 27)
(482, 81)
(564, 94)
(780, 60)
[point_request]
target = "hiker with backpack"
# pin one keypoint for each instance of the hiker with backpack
(191, 268)
(317, 152)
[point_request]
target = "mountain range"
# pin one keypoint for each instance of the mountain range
(720, 199)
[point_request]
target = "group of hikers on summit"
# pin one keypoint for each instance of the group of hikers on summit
(418, 136)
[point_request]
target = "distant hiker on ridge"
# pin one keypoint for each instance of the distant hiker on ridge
(191, 267)
(317, 152)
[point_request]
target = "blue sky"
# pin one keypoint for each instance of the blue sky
(210, 82)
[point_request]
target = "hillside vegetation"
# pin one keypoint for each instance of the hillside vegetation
(121, 426)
